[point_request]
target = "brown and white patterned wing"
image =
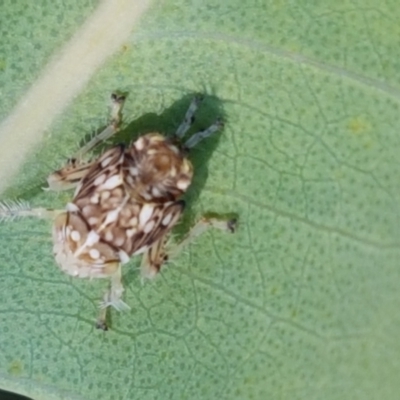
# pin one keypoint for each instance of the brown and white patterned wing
(153, 259)
(104, 175)
(69, 176)
(152, 223)
(101, 195)
(113, 211)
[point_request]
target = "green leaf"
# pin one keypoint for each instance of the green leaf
(301, 303)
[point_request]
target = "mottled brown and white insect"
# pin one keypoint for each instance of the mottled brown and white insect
(125, 203)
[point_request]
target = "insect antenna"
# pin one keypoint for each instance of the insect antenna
(189, 117)
(199, 136)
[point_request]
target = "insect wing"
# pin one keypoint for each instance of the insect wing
(154, 222)
(69, 176)
(104, 175)
(107, 204)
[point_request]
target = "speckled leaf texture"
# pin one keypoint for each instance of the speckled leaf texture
(303, 301)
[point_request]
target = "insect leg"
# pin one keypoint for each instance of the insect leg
(227, 225)
(189, 117)
(117, 103)
(112, 298)
(10, 210)
(71, 174)
(157, 255)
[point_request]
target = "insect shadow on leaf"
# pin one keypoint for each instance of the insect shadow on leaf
(129, 197)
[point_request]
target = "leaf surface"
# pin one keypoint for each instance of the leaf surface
(301, 303)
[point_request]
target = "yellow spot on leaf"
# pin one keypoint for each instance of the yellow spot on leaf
(339, 174)
(15, 368)
(358, 126)
(3, 64)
